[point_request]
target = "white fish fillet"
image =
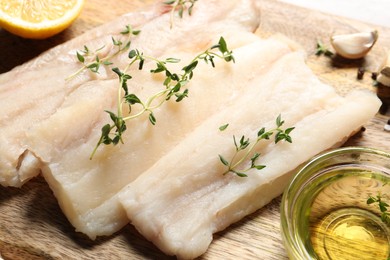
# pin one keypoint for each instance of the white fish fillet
(51, 125)
(184, 198)
(29, 102)
(33, 91)
(72, 175)
(63, 138)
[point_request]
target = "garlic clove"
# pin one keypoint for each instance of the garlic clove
(355, 45)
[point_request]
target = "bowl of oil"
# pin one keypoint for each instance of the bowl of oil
(337, 207)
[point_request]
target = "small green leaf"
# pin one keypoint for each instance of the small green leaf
(152, 119)
(383, 218)
(174, 76)
(382, 207)
(117, 71)
(94, 67)
(181, 10)
(235, 142)
(181, 96)
(279, 137)
(113, 116)
(80, 57)
(127, 46)
(160, 68)
(371, 200)
(132, 99)
(86, 50)
(141, 63)
(244, 143)
(215, 46)
(126, 76)
(322, 49)
(259, 167)
(169, 2)
(127, 30)
(254, 158)
(172, 60)
(240, 174)
(267, 135)
(223, 127)
(261, 132)
(222, 45)
(223, 160)
(105, 139)
(167, 81)
(289, 130)
(189, 68)
(116, 42)
(190, 9)
(132, 54)
(279, 121)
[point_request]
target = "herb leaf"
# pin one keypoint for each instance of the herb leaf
(247, 146)
(223, 127)
(383, 207)
(180, 5)
(322, 49)
(93, 60)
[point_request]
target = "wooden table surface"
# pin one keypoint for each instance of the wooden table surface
(32, 225)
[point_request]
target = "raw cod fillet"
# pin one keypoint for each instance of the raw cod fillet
(167, 179)
(183, 199)
(62, 134)
(72, 175)
(27, 99)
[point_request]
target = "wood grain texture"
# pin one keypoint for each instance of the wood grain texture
(31, 223)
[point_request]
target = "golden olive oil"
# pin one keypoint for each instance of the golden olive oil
(342, 225)
(350, 233)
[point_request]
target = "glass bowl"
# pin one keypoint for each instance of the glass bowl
(335, 207)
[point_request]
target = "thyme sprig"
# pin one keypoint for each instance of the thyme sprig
(322, 49)
(181, 6)
(92, 60)
(247, 146)
(175, 85)
(383, 207)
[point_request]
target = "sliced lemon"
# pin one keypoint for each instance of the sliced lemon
(38, 19)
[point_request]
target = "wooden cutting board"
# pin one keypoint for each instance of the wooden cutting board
(32, 225)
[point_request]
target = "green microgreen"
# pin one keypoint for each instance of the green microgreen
(244, 144)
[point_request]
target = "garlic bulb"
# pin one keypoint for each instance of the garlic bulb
(355, 45)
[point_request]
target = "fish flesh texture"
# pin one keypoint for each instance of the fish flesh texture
(25, 104)
(52, 125)
(64, 132)
(33, 91)
(184, 198)
(67, 166)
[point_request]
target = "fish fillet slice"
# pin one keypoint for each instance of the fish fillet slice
(184, 198)
(66, 151)
(39, 87)
(33, 91)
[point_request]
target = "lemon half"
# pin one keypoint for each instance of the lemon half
(38, 19)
